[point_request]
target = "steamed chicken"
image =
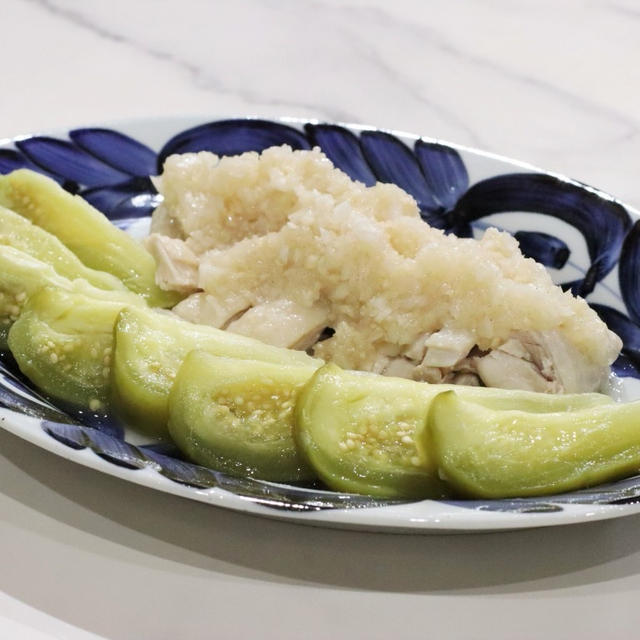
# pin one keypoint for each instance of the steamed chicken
(283, 247)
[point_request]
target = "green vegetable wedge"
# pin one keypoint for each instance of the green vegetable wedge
(151, 346)
(22, 275)
(237, 416)
(363, 433)
(85, 231)
(17, 232)
(63, 342)
(505, 453)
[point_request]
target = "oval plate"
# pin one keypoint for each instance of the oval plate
(588, 240)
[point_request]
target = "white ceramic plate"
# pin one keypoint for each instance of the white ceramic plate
(588, 240)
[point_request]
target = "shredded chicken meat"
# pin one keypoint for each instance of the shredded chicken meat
(282, 246)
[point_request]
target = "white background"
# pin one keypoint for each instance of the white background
(555, 83)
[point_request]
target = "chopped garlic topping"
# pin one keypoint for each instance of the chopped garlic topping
(287, 227)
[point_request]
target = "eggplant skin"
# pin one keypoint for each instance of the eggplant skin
(237, 416)
(484, 452)
(150, 347)
(85, 231)
(63, 342)
(368, 434)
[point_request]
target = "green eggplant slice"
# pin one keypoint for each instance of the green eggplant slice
(85, 231)
(508, 453)
(237, 416)
(150, 347)
(364, 433)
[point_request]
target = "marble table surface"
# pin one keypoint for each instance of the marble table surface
(556, 84)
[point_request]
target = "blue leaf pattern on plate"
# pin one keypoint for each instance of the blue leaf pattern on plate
(231, 137)
(444, 172)
(266, 493)
(392, 161)
(625, 367)
(111, 171)
(629, 272)
(11, 160)
(117, 150)
(70, 435)
(544, 248)
(136, 197)
(136, 206)
(343, 149)
(69, 162)
(603, 222)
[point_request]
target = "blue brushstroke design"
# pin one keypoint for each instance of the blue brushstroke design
(515, 505)
(392, 161)
(136, 206)
(287, 498)
(162, 448)
(573, 285)
(444, 172)
(183, 472)
(67, 161)
(618, 492)
(543, 248)
(342, 147)
(117, 150)
(629, 272)
(12, 160)
(115, 450)
(133, 198)
(104, 422)
(625, 367)
(71, 435)
(602, 222)
(232, 137)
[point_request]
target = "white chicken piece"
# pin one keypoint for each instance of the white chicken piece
(499, 368)
(445, 348)
(540, 361)
(176, 264)
(282, 323)
(399, 367)
(552, 353)
(203, 308)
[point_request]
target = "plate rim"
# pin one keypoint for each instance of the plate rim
(451, 519)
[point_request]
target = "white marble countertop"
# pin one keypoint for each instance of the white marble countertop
(556, 84)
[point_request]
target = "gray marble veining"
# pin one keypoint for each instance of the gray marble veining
(554, 84)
